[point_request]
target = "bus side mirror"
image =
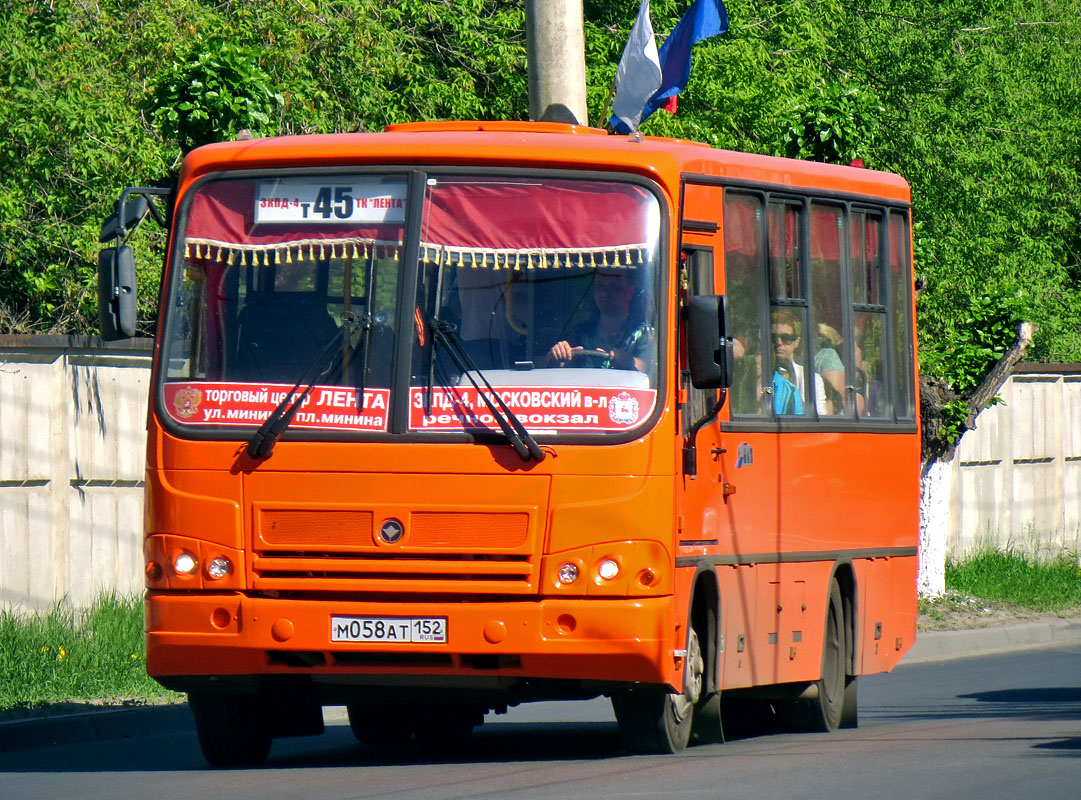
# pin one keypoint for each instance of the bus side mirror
(709, 351)
(116, 293)
(134, 209)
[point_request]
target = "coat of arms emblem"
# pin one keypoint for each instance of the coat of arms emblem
(186, 402)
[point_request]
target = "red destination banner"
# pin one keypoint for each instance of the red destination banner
(540, 408)
(249, 404)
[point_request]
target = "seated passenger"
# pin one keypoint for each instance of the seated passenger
(788, 384)
(616, 336)
(828, 364)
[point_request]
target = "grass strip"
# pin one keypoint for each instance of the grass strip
(97, 653)
(1014, 579)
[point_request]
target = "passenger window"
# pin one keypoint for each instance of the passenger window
(818, 294)
(744, 263)
(828, 342)
(869, 382)
(900, 311)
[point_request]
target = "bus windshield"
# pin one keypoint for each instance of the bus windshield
(547, 285)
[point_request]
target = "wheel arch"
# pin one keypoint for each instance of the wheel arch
(845, 575)
(704, 615)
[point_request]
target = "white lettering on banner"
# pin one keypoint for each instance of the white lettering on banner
(579, 408)
(552, 409)
(326, 407)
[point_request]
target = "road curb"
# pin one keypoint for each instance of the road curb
(98, 725)
(944, 645)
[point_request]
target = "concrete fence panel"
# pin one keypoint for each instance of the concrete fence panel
(72, 456)
(1018, 475)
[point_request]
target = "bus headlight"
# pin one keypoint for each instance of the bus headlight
(608, 569)
(218, 568)
(185, 564)
(568, 573)
(611, 569)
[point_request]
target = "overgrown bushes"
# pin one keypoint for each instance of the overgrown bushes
(973, 103)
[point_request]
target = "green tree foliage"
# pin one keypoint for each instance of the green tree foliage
(213, 94)
(973, 102)
(99, 95)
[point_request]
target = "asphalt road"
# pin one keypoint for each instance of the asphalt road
(995, 726)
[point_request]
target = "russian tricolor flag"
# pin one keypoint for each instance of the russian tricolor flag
(638, 68)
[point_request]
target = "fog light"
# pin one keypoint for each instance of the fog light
(568, 573)
(218, 568)
(153, 571)
(185, 564)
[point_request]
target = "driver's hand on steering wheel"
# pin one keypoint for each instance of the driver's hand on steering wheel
(562, 351)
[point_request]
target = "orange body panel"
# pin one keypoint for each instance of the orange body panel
(300, 528)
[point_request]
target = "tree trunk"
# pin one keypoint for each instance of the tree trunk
(936, 474)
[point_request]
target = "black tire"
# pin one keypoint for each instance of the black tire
(383, 726)
(446, 728)
(850, 714)
(653, 720)
(824, 710)
(743, 717)
(232, 728)
(707, 726)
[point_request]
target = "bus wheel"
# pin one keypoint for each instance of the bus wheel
(384, 726)
(707, 727)
(232, 728)
(446, 728)
(821, 709)
(655, 721)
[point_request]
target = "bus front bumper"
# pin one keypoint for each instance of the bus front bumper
(587, 640)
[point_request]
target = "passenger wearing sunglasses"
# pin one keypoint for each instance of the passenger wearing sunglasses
(789, 387)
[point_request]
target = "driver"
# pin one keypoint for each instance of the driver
(616, 336)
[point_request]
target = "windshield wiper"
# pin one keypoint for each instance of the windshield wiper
(524, 444)
(261, 444)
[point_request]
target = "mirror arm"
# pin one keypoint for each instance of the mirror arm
(690, 451)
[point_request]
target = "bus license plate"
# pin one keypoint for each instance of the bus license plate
(389, 630)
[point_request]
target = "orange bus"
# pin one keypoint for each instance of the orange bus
(463, 415)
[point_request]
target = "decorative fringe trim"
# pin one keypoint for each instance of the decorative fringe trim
(620, 257)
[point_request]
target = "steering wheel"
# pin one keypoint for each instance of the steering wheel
(595, 358)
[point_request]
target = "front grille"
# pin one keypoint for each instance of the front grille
(451, 552)
(288, 528)
(468, 530)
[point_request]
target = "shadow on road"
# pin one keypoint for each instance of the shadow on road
(504, 742)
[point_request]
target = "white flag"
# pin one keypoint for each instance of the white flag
(638, 75)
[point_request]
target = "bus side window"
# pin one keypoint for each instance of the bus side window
(745, 270)
(827, 341)
(900, 293)
(869, 313)
(794, 389)
(697, 263)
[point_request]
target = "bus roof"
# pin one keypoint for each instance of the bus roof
(536, 144)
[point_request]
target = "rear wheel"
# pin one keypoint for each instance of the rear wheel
(822, 707)
(232, 728)
(656, 721)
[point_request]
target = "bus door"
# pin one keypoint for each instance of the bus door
(710, 530)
